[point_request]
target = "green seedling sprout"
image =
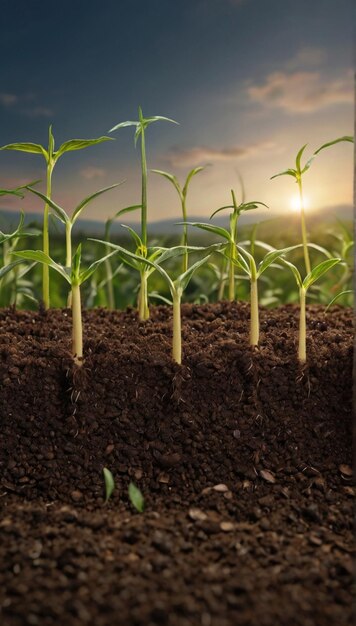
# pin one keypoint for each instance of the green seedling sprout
(182, 193)
(67, 220)
(245, 261)
(230, 235)
(109, 272)
(176, 287)
(141, 124)
(109, 484)
(51, 157)
(303, 285)
(136, 498)
(75, 276)
(9, 243)
(297, 174)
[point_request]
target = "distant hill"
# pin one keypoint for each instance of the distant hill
(90, 228)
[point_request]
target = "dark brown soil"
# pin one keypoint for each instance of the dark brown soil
(243, 457)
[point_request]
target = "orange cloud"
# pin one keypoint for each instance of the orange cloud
(301, 92)
(201, 154)
(92, 172)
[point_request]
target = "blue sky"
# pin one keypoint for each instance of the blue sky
(249, 82)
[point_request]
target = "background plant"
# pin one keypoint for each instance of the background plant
(182, 193)
(51, 157)
(297, 174)
(141, 124)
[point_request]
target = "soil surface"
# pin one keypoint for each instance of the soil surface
(243, 457)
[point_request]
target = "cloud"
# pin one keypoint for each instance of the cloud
(38, 111)
(202, 154)
(8, 99)
(92, 172)
(301, 92)
(306, 57)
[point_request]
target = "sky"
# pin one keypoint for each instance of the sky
(249, 81)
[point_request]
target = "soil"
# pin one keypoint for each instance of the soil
(243, 457)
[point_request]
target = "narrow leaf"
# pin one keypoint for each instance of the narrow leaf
(109, 483)
(192, 173)
(123, 125)
(339, 295)
(8, 268)
(272, 256)
(136, 498)
(299, 156)
(332, 143)
(79, 144)
(288, 172)
(41, 257)
(217, 230)
(60, 213)
(173, 179)
(318, 271)
(34, 148)
(77, 211)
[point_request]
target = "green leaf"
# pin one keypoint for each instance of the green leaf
(85, 274)
(78, 144)
(298, 158)
(288, 172)
(332, 143)
(41, 257)
(252, 271)
(172, 179)
(217, 230)
(137, 240)
(127, 209)
(136, 498)
(222, 208)
(159, 118)
(11, 192)
(77, 211)
(183, 280)
(272, 256)
(34, 148)
(339, 295)
(123, 125)
(50, 142)
(8, 268)
(60, 213)
(192, 173)
(109, 484)
(294, 271)
(318, 271)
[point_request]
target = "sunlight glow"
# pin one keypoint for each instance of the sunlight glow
(295, 204)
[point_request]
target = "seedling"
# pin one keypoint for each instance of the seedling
(75, 276)
(136, 498)
(231, 234)
(303, 285)
(297, 174)
(254, 272)
(109, 484)
(182, 193)
(51, 157)
(9, 243)
(141, 124)
(176, 287)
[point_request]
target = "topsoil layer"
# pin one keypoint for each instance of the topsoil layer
(242, 454)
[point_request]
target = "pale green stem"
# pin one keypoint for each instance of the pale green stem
(143, 309)
(222, 281)
(69, 257)
(302, 350)
(254, 320)
(232, 273)
(143, 190)
(45, 268)
(185, 236)
(304, 228)
(177, 331)
(109, 283)
(77, 331)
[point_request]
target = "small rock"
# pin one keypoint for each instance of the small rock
(76, 496)
(197, 515)
(345, 470)
(227, 527)
(221, 488)
(163, 478)
(267, 476)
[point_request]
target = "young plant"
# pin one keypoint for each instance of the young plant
(230, 235)
(182, 193)
(109, 484)
(297, 174)
(51, 157)
(136, 498)
(75, 276)
(9, 243)
(176, 287)
(303, 285)
(141, 124)
(245, 261)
